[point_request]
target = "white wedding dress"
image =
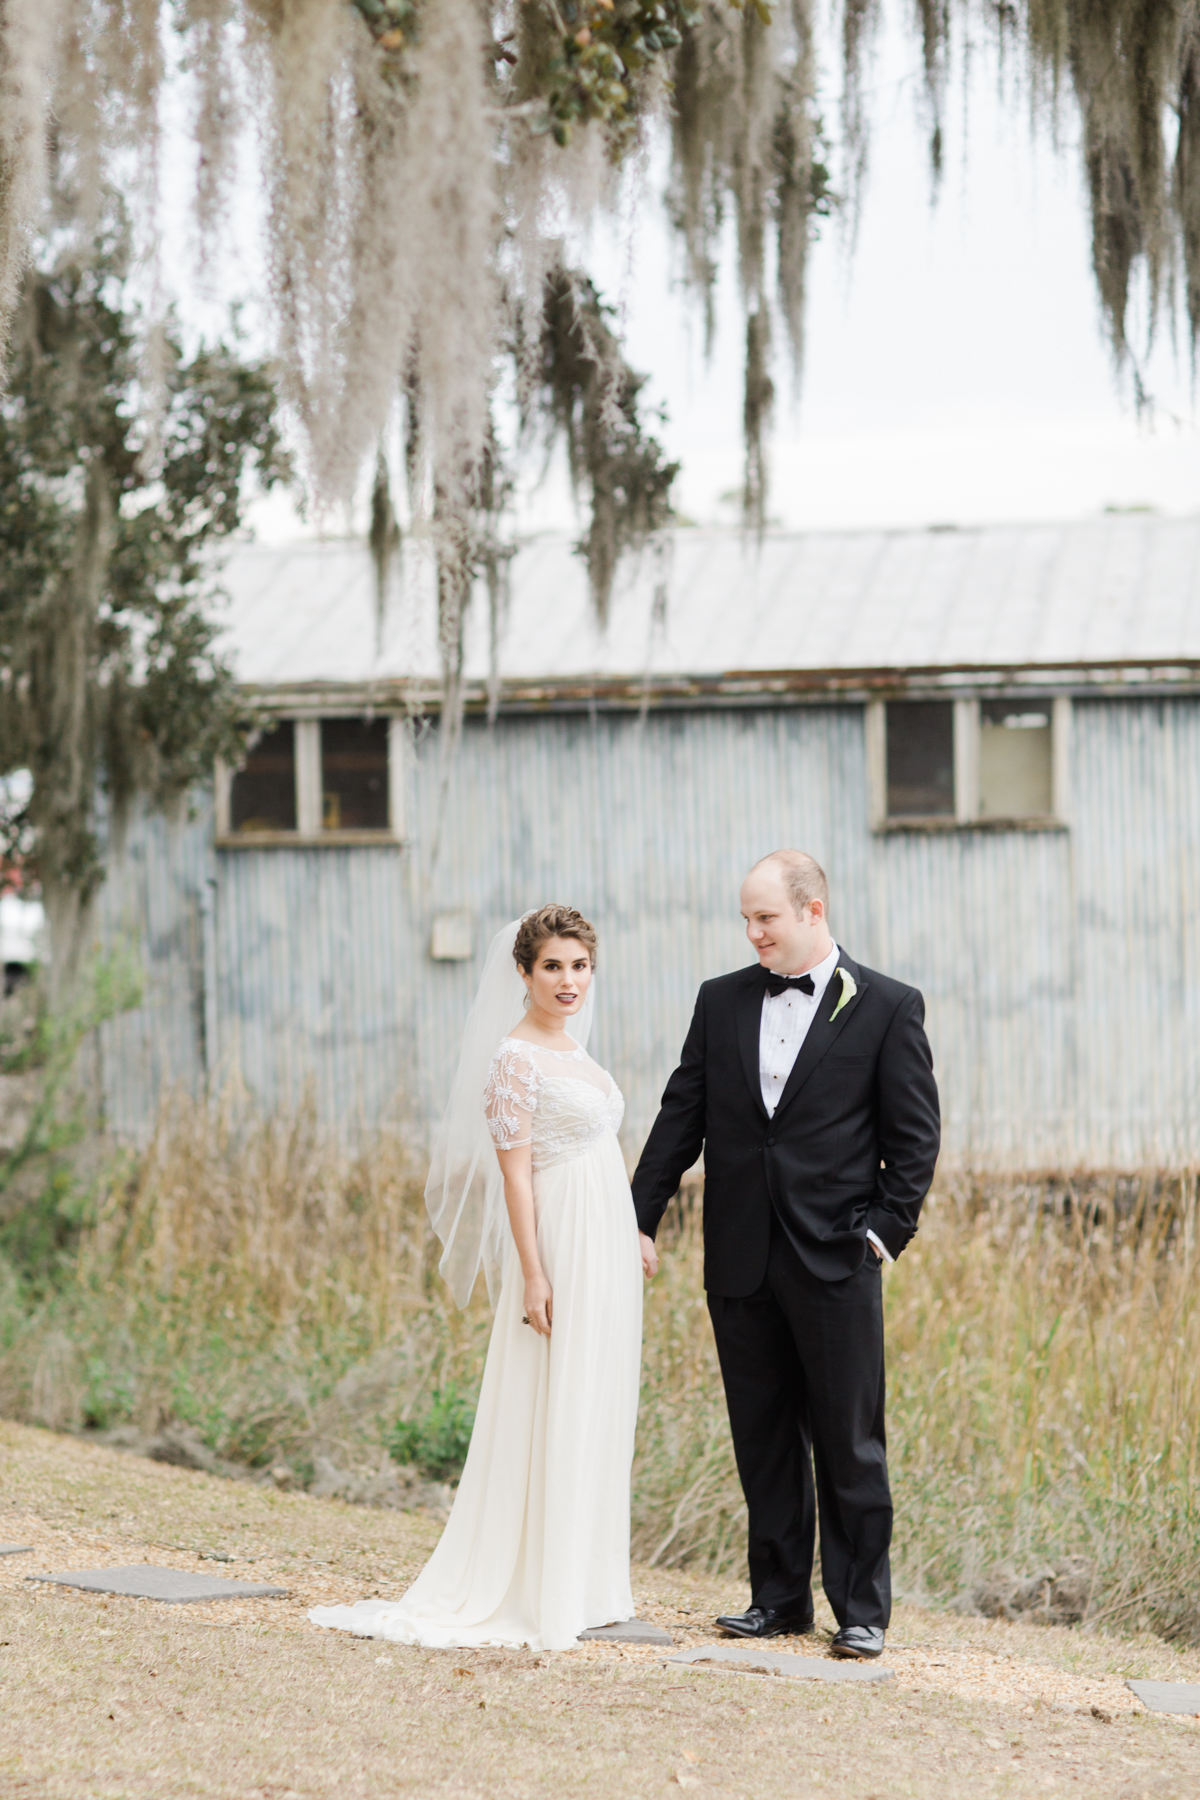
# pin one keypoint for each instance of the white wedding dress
(536, 1547)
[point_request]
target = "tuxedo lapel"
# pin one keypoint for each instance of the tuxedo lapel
(749, 1026)
(824, 1030)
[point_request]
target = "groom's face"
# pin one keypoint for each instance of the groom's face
(783, 941)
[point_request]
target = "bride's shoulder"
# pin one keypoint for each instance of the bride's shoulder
(513, 1071)
(512, 1050)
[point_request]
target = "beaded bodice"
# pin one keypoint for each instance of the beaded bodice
(558, 1101)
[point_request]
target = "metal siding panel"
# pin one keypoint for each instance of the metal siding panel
(149, 903)
(647, 826)
(309, 952)
(1061, 970)
(976, 920)
(1137, 834)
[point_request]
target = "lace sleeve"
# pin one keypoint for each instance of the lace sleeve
(510, 1096)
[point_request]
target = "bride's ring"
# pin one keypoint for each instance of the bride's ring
(524, 1321)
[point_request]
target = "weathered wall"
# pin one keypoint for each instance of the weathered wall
(1061, 968)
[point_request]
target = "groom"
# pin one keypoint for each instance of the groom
(809, 1083)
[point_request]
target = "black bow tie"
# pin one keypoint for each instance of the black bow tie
(779, 984)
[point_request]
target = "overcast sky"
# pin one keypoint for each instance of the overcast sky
(956, 369)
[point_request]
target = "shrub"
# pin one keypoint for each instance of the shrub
(435, 1439)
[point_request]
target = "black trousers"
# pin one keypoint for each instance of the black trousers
(802, 1362)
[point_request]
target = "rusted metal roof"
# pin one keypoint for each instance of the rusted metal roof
(1111, 602)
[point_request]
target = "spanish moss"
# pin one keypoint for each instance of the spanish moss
(582, 387)
(745, 137)
(420, 156)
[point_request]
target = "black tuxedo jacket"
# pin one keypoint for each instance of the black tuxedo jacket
(851, 1147)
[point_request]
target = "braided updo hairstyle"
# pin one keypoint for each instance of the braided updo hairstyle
(537, 928)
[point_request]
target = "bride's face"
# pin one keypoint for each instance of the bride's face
(560, 978)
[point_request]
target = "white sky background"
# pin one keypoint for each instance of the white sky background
(956, 370)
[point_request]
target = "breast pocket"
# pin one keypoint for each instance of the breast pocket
(850, 1078)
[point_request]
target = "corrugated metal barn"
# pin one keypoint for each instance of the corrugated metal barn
(990, 738)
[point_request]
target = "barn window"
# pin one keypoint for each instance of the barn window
(339, 780)
(354, 775)
(263, 792)
(1016, 762)
(970, 762)
(920, 759)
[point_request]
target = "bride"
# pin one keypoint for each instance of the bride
(536, 1548)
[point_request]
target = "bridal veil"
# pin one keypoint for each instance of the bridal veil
(464, 1194)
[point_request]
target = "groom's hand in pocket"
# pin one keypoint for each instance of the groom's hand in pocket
(649, 1256)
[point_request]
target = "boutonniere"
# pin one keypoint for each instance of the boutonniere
(849, 989)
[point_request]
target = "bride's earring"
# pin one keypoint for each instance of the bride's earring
(525, 1002)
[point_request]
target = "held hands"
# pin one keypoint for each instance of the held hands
(649, 1256)
(539, 1303)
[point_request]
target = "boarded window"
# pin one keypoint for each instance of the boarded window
(263, 794)
(920, 759)
(354, 774)
(1015, 763)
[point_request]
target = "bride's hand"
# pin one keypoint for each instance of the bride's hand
(649, 1255)
(539, 1303)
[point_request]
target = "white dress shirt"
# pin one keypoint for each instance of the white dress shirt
(783, 1028)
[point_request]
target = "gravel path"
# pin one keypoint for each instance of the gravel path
(124, 1698)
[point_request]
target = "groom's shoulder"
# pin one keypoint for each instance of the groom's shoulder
(887, 988)
(725, 987)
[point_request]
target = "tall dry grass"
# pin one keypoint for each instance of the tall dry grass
(1044, 1348)
(246, 1280)
(1043, 1413)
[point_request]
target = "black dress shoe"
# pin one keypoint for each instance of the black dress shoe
(861, 1642)
(764, 1622)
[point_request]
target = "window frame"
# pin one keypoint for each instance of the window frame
(309, 834)
(967, 767)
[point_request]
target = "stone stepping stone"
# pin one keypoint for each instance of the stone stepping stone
(741, 1659)
(1168, 1696)
(632, 1631)
(15, 1549)
(145, 1581)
